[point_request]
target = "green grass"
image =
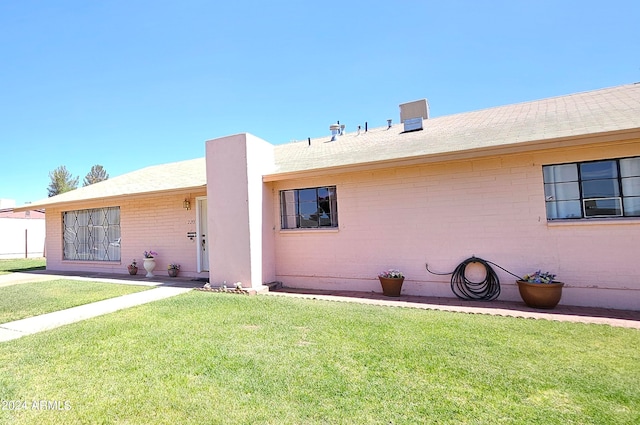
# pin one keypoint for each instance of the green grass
(221, 358)
(32, 299)
(21, 265)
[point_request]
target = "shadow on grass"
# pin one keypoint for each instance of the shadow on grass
(25, 269)
(17, 265)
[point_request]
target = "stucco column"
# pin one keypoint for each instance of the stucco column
(240, 211)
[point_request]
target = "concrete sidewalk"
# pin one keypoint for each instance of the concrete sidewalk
(18, 278)
(123, 279)
(31, 325)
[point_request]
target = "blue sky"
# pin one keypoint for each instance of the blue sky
(127, 84)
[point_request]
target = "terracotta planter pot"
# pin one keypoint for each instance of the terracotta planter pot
(540, 295)
(172, 272)
(132, 270)
(391, 286)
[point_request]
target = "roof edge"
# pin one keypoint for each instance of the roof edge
(512, 148)
(43, 205)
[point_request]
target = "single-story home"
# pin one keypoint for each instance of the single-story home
(552, 184)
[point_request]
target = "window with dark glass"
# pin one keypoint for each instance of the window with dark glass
(92, 234)
(609, 188)
(309, 208)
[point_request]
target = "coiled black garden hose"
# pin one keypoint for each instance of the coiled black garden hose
(487, 290)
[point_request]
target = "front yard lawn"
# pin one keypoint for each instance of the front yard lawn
(203, 358)
(32, 299)
(21, 264)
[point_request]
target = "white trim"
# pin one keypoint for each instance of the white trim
(615, 198)
(199, 234)
(612, 221)
(309, 230)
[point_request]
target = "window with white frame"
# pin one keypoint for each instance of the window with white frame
(309, 208)
(92, 235)
(594, 189)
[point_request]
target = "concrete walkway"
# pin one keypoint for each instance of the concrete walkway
(31, 325)
(18, 278)
(123, 279)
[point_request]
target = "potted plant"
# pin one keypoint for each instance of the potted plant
(540, 290)
(149, 262)
(173, 269)
(133, 267)
(391, 281)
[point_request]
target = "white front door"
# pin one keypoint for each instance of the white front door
(203, 251)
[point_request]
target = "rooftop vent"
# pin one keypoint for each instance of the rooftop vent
(412, 124)
(417, 108)
(412, 114)
(335, 131)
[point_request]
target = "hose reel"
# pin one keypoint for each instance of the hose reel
(466, 289)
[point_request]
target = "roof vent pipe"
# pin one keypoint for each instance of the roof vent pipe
(366, 126)
(335, 131)
(388, 123)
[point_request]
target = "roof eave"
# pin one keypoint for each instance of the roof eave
(43, 205)
(479, 152)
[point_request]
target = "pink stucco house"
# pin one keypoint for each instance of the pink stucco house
(552, 184)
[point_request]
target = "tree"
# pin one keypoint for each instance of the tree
(97, 174)
(61, 181)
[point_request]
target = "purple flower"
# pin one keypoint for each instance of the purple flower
(150, 254)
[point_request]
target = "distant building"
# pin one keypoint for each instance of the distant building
(22, 233)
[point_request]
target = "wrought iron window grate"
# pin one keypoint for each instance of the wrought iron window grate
(92, 234)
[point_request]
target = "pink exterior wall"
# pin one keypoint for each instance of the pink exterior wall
(443, 213)
(152, 222)
(239, 204)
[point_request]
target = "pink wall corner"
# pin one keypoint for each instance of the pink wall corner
(268, 235)
(236, 197)
(228, 215)
(260, 161)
